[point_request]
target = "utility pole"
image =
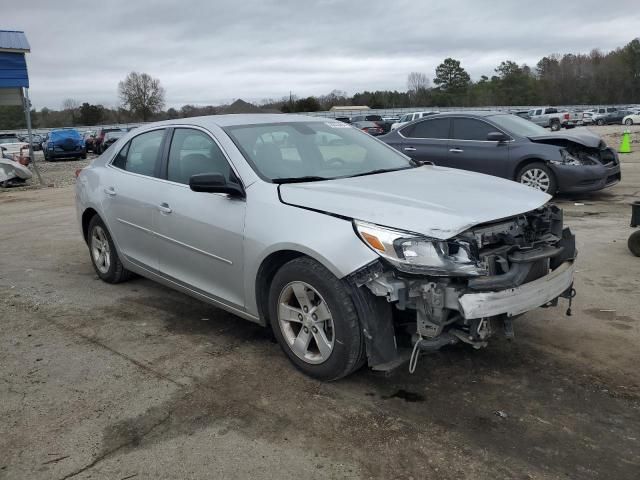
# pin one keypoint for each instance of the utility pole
(27, 113)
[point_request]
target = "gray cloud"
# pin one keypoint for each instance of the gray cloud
(211, 52)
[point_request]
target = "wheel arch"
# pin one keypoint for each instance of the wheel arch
(524, 162)
(87, 215)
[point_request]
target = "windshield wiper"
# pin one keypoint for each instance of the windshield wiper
(381, 170)
(309, 178)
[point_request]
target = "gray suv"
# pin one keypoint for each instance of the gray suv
(350, 251)
(511, 147)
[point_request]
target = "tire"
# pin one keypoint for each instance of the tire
(555, 126)
(83, 156)
(321, 292)
(600, 122)
(628, 122)
(110, 269)
(634, 243)
(538, 175)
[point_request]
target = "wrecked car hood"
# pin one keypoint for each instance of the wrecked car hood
(584, 137)
(434, 201)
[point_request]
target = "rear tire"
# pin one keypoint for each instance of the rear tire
(634, 243)
(537, 175)
(555, 126)
(600, 122)
(104, 256)
(333, 345)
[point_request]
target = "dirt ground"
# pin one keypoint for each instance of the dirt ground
(137, 381)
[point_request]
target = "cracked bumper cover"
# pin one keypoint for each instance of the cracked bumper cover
(518, 300)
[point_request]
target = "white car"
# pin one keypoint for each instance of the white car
(12, 147)
(410, 117)
(634, 118)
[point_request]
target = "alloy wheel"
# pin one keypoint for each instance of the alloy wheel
(306, 322)
(536, 178)
(100, 250)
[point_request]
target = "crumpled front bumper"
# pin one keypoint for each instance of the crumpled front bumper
(521, 299)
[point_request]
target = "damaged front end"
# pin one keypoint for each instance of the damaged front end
(462, 289)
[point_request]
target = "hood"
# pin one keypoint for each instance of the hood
(434, 201)
(584, 138)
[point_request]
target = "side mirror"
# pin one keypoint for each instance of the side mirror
(214, 183)
(497, 137)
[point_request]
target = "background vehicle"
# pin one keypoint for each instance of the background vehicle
(96, 146)
(343, 119)
(209, 208)
(63, 143)
(372, 128)
(631, 119)
(110, 138)
(89, 137)
(511, 147)
(377, 119)
(12, 146)
(551, 118)
(410, 117)
(609, 115)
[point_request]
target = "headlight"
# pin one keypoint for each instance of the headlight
(412, 253)
(569, 158)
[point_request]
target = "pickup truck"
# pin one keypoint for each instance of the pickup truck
(554, 119)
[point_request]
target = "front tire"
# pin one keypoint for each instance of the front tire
(628, 122)
(600, 123)
(104, 256)
(634, 243)
(314, 320)
(537, 175)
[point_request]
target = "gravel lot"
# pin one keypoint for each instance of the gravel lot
(137, 381)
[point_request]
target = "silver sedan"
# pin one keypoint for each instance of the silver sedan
(352, 252)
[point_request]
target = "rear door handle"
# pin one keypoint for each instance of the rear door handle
(165, 208)
(456, 150)
(110, 191)
(409, 149)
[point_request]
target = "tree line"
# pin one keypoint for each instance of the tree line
(596, 78)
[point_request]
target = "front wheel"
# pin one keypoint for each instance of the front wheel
(314, 320)
(104, 256)
(634, 243)
(538, 176)
(600, 122)
(628, 122)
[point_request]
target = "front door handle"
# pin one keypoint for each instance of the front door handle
(110, 191)
(456, 150)
(409, 149)
(165, 208)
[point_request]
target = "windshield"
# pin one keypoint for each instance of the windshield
(317, 150)
(518, 125)
(60, 134)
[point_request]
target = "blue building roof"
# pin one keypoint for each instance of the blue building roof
(14, 41)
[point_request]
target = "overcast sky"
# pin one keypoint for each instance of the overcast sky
(211, 52)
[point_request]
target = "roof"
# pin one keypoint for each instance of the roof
(240, 119)
(14, 41)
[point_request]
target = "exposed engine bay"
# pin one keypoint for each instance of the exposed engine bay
(521, 263)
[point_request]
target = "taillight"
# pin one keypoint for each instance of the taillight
(566, 116)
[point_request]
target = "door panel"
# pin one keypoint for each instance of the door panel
(470, 150)
(201, 233)
(427, 141)
(130, 197)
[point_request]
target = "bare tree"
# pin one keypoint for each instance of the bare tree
(141, 94)
(70, 107)
(416, 82)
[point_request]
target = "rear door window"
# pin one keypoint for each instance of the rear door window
(436, 128)
(140, 155)
(471, 129)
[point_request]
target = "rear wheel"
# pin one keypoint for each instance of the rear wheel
(539, 176)
(600, 122)
(314, 320)
(555, 125)
(104, 256)
(634, 243)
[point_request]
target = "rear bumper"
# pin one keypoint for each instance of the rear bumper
(515, 301)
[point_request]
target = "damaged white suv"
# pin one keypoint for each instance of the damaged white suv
(352, 252)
